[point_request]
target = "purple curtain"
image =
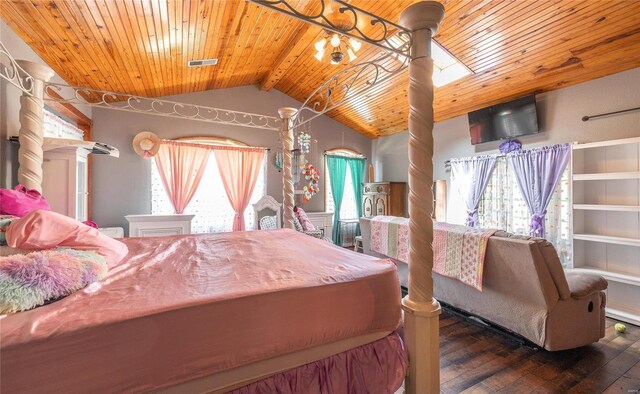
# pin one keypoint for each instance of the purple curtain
(471, 175)
(537, 173)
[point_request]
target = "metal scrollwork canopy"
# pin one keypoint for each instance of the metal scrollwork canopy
(131, 103)
(348, 84)
(13, 73)
(354, 22)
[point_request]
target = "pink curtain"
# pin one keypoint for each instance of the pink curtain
(239, 169)
(181, 166)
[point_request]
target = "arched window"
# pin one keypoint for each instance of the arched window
(210, 204)
(349, 209)
(210, 140)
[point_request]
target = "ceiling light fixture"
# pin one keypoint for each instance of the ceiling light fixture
(338, 46)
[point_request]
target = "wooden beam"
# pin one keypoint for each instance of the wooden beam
(301, 41)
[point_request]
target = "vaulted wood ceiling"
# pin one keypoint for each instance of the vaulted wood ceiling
(514, 47)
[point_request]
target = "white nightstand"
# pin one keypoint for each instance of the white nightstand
(113, 232)
(159, 225)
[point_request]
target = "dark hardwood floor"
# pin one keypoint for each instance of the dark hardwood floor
(474, 359)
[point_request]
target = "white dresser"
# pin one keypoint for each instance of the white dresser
(159, 225)
(113, 232)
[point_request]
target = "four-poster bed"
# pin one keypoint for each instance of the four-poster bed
(417, 25)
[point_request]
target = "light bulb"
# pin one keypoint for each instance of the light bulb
(319, 55)
(335, 40)
(320, 45)
(355, 44)
(352, 55)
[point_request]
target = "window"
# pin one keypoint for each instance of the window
(56, 127)
(349, 208)
(210, 204)
(502, 206)
(446, 68)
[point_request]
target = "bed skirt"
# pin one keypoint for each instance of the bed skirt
(377, 367)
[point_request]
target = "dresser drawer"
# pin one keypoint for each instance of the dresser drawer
(159, 225)
(376, 188)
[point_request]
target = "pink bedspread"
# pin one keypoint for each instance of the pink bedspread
(177, 308)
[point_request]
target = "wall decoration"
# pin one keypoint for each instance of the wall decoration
(278, 159)
(302, 167)
(510, 145)
(312, 175)
(304, 141)
(146, 144)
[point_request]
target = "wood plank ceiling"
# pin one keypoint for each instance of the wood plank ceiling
(514, 47)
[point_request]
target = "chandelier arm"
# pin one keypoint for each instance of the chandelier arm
(62, 93)
(347, 84)
(387, 29)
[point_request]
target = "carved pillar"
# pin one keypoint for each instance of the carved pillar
(421, 310)
(31, 123)
(288, 198)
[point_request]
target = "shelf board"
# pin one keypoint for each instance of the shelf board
(601, 144)
(607, 239)
(604, 207)
(607, 176)
(612, 276)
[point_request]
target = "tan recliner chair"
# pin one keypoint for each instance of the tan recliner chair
(526, 290)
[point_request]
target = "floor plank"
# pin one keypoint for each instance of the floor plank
(474, 359)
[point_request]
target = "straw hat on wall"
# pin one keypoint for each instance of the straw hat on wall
(146, 144)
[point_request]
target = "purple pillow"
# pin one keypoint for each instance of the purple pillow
(304, 219)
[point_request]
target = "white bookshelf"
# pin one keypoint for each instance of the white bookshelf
(608, 239)
(604, 207)
(606, 220)
(607, 176)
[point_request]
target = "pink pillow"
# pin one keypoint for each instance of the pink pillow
(41, 230)
(20, 201)
(304, 219)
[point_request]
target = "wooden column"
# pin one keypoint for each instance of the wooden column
(421, 310)
(31, 122)
(288, 197)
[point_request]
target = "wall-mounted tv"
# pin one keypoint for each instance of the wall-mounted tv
(507, 120)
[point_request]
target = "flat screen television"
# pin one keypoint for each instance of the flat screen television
(507, 120)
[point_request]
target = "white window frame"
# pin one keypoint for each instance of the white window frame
(349, 209)
(502, 206)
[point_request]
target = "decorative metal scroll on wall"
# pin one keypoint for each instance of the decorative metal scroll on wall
(352, 22)
(13, 73)
(131, 103)
(349, 84)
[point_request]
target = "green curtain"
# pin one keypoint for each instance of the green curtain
(337, 167)
(356, 166)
